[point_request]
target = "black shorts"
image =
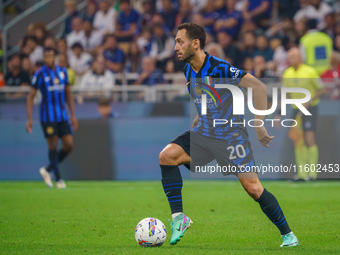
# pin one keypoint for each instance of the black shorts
(308, 121)
(56, 128)
(233, 156)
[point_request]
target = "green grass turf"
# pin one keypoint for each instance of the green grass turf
(100, 217)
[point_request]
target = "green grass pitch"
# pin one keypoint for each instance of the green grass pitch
(100, 217)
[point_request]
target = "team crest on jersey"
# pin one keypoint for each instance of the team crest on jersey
(49, 130)
(62, 75)
(198, 91)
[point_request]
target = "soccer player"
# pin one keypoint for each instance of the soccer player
(203, 142)
(52, 82)
(304, 76)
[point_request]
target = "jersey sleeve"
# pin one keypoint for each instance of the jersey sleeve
(232, 74)
(36, 80)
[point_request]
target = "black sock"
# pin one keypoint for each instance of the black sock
(272, 209)
(61, 156)
(53, 166)
(172, 185)
(56, 173)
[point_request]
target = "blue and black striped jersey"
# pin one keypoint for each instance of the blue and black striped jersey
(219, 101)
(52, 84)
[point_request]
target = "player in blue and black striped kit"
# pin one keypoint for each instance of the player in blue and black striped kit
(228, 144)
(53, 84)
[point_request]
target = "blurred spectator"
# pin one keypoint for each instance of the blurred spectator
(144, 41)
(99, 79)
(15, 76)
(282, 29)
(231, 52)
(39, 31)
(209, 16)
(2, 79)
(150, 75)
(62, 46)
(169, 14)
(197, 5)
(230, 20)
(71, 12)
(78, 34)
(90, 11)
(280, 55)
(317, 9)
(162, 47)
(260, 68)
(31, 48)
(259, 11)
(316, 48)
(215, 50)
(92, 38)
(133, 59)
(105, 18)
(330, 24)
(337, 43)
(71, 74)
(301, 30)
(247, 47)
(79, 60)
(332, 75)
(114, 57)
(127, 25)
(262, 48)
(248, 65)
(49, 42)
(219, 6)
(104, 108)
(26, 65)
(148, 12)
(185, 12)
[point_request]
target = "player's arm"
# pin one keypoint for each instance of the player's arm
(70, 103)
(260, 103)
(29, 109)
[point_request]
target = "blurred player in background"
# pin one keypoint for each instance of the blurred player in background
(304, 76)
(53, 84)
(206, 142)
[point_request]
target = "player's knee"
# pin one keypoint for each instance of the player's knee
(166, 158)
(255, 191)
(68, 147)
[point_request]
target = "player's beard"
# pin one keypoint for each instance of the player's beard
(188, 55)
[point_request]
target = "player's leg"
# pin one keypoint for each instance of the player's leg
(269, 205)
(51, 136)
(309, 128)
(65, 134)
(170, 158)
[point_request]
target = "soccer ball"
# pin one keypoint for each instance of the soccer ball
(150, 232)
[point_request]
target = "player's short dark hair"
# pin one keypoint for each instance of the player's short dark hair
(194, 31)
(49, 49)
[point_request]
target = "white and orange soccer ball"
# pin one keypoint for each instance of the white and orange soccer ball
(150, 232)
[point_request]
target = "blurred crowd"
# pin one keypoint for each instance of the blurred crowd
(112, 37)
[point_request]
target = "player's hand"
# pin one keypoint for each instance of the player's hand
(263, 136)
(29, 125)
(74, 123)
